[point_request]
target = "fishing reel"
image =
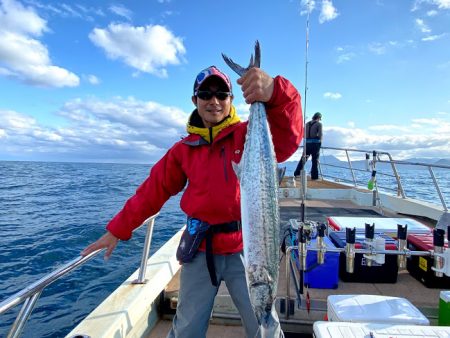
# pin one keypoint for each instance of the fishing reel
(310, 229)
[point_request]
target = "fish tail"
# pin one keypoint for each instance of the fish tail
(254, 62)
(271, 326)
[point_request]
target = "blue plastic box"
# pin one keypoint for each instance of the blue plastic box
(323, 276)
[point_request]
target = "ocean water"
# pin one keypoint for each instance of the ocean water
(50, 211)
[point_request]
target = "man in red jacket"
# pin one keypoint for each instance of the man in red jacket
(203, 161)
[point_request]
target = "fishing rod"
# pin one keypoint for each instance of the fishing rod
(303, 158)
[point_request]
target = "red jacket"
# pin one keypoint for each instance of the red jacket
(212, 193)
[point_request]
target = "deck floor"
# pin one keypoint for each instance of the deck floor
(424, 298)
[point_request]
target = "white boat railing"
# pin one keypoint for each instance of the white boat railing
(30, 294)
(372, 159)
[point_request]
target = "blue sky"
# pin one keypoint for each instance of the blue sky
(105, 81)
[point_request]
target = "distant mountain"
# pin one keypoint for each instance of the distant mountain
(444, 161)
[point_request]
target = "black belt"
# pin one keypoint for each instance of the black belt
(215, 229)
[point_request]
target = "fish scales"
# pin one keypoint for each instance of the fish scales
(257, 173)
(260, 213)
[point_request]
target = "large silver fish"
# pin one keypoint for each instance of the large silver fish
(257, 174)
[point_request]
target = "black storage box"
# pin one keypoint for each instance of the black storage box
(420, 266)
(386, 273)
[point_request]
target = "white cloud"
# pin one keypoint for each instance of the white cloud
(127, 129)
(400, 145)
(328, 11)
(345, 57)
(307, 6)
(440, 4)
(243, 110)
(117, 129)
(332, 96)
(377, 48)
(122, 11)
(148, 49)
(433, 37)
(22, 56)
(66, 10)
(402, 141)
(345, 54)
(422, 26)
(92, 79)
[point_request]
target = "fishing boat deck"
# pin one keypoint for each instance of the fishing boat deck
(225, 321)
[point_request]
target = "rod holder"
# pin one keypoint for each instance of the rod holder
(402, 231)
(302, 248)
(370, 233)
(438, 243)
(350, 235)
(320, 244)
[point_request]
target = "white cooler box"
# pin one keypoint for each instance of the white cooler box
(373, 309)
(375, 330)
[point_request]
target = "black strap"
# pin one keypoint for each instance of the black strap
(210, 257)
(226, 227)
(215, 229)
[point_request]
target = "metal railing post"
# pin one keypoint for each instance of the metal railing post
(397, 176)
(44, 281)
(288, 282)
(351, 168)
(22, 317)
(146, 250)
(436, 185)
(31, 293)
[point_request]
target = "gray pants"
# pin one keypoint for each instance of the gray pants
(196, 296)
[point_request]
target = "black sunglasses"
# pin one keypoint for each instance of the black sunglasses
(207, 95)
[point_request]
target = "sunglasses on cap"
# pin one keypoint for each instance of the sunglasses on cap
(208, 95)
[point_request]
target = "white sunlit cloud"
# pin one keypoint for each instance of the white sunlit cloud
(332, 96)
(92, 79)
(422, 26)
(22, 55)
(307, 6)
(119, 129)
(243, 111)
(147, 49)
(122, 11)
(328, 12)
(440, 4)
(433, 37)
(401, 141)
(345, 54)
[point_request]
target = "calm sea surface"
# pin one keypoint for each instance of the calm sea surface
(50, 211)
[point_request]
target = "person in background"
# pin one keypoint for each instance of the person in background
(313, 143)
(211, 245)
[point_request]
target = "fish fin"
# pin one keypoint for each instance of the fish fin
(237, 169)
(234, 66)
(271, 327)
(257, 62)
(254, 62)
